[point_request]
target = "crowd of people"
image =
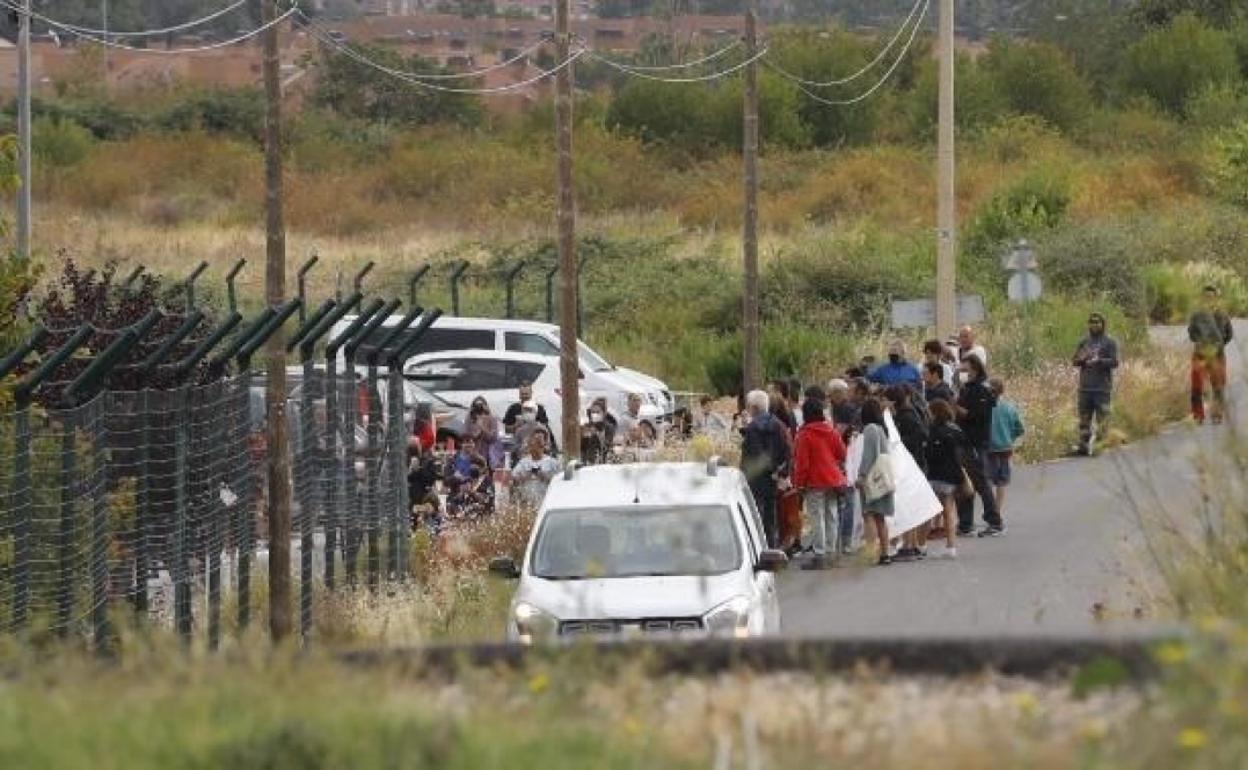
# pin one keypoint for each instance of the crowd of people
(954, 420)
(951, 417)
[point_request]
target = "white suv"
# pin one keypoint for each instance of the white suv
(666, 549)
(460, 334)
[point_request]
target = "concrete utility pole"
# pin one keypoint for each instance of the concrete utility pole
(104, 26)
(23, 131)
(277, 467)
(569, 269)
(946, 226)
(752, 364)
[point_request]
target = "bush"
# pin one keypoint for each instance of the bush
(977, 99)
(60, 143)
(1174, 289)
(1218, 106)
(788, 350)
(1174, 63)
(1038, 79)
(237, 112)
(1102, 261)
(1028, 208)
(1227, 165)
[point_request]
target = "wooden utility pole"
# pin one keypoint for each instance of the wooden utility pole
(569, 269)
(751, 365)
(277, 467)
(23, 132)
(946, 226)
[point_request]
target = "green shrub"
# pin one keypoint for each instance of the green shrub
(1028, 208)
(60, 143)
(1174, 289)
(233, 111)
(1174, 63)
(1218, 106)
(1038, 79)
(788, 350)
(1227, 165)
(977, 100)
(1102, 261)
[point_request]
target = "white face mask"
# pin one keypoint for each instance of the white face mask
(595, 416)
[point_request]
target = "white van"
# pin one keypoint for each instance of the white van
(460, 334)
(661, 549)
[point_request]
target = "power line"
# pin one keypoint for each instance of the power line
(867, 67)
(879, 84)
(149, 32)
(446, 75)
(154, 51)
(414, 81)
(665, 67)
(699, 79)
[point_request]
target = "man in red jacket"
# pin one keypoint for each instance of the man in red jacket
(817, 472)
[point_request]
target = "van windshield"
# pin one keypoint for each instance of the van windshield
(593, 361)
(579, 544)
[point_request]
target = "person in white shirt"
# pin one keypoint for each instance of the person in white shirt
(533, 473)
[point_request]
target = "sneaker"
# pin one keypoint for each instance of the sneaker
(992, 530)
(966, 531)
(847, 550)
(949, 554)
(920, 554)
(905, 554)
(1079, 451)
(885, 560)
(815, 563)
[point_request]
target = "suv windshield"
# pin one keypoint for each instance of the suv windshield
(595, 362)
(633, 542)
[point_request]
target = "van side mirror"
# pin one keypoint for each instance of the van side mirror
(772, 560)
(505, 567)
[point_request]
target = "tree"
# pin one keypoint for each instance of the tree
(977, 100)
(353, 89)
(1173, 63)
(1038, 79)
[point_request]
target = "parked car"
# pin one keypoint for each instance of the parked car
(491, 334)
(668, 549)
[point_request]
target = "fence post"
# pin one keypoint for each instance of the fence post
(511, 277)
(65, 541)
(182, 619)
(22, 514)
(412, 283)
(358, 509)
(101, 634)
(457, 273)
(336, 501)
(550, 292)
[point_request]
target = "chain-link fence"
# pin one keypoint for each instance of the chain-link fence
(155, 500)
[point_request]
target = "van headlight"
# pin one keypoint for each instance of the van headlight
(533, 624)
(732, 618)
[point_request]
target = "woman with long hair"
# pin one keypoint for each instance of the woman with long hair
(946, 457)
(485, 429)
(877, 504)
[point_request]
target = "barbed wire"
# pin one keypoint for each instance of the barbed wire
(867, 67)
(149, 32)
(878, 85)
(153, 51)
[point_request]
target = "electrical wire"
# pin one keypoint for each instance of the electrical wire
(700, 79)
(448, 75)
(152, 32)
(666, 67)
(153, 51)
(414, 81)
(867, 67)
(879, 84)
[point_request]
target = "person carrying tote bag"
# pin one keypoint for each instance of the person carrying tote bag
(876, 479)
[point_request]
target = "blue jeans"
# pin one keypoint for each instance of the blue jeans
(846, 503)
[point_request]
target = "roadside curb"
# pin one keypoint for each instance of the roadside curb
(1034, 657)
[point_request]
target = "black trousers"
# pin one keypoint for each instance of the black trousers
(976, 463)
(765, 498)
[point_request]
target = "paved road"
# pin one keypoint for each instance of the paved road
(1073, 552)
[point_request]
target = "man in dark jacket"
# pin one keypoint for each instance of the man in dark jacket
(975, 404)
(764, 458)
(1096, 358)
(1210, 331)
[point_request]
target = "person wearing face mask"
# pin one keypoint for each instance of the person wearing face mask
(974, 409)
(898, 370)
(1096, 358)
(485, 430)
(598, 433)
